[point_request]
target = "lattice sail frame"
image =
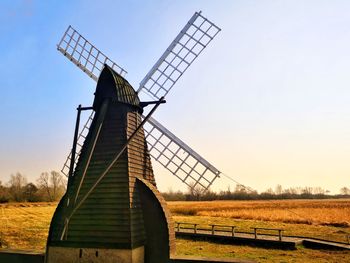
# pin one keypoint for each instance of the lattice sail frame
(176, 156)
(85, 55)
(170, 151)
(185, 48)
(80, 140)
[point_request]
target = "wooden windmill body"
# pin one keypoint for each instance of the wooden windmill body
(124, 218)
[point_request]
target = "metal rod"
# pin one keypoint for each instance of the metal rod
(146, 103)
(86, 108)
(75, 139)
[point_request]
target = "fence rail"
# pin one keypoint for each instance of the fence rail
(231, 230)
(211, 228)
(268, 229)
(225, 229)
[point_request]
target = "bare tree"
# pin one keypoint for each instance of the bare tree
(318, 191)
(57, 184)
(269, 191)
(16, 186)
(278, 189)
(307, 190)
(195, 191)
(52, 184)
(240, 188)
(44, 184)
(345, 191)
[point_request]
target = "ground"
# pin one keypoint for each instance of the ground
(25, 226)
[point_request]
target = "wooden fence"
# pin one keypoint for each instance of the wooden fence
(226, 229)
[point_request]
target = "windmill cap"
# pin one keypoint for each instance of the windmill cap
(113, 86)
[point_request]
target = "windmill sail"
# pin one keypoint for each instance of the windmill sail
(85, 55)
(176, 156)
(170, 151)
(80, 140)
(185, 48)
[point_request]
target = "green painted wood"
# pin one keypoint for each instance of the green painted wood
(112, 215)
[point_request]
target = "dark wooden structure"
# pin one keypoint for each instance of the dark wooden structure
(124, 218)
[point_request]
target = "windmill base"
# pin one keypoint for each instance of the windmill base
(96, 255)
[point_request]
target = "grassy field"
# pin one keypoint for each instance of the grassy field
(320, 212)
(25, 226)
(325, 219)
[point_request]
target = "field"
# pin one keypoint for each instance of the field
(25, 226)
(324, 219)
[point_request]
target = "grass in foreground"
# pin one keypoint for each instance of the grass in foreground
(301, 255)
(25, 226)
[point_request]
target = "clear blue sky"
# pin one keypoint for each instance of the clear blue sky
(268, 102)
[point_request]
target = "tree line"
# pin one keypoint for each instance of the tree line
(242, 192)
(49, 187)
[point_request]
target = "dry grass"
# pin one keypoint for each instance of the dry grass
(25, 226)
(325, 219)
(315, 212)
(301, 255)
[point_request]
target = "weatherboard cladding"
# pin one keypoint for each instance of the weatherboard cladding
(111, 216)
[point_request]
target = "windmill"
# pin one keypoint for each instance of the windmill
(165, 147)
(112, 210)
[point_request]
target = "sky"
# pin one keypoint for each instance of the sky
(267, 102)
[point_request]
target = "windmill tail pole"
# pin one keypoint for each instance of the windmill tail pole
(75, 139)
(160, 101)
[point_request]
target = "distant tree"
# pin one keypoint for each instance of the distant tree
(16, 186)
(319, 191)
(195, 192)
(240, 188)
(44, 184)
(278, 189)
(270, 191)
(344, 191)
(307, 191)
(174, 196)
(299, 190)
(57, 184)
(29, 192)
(4, 194)
(52, 184)
(290, 191)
